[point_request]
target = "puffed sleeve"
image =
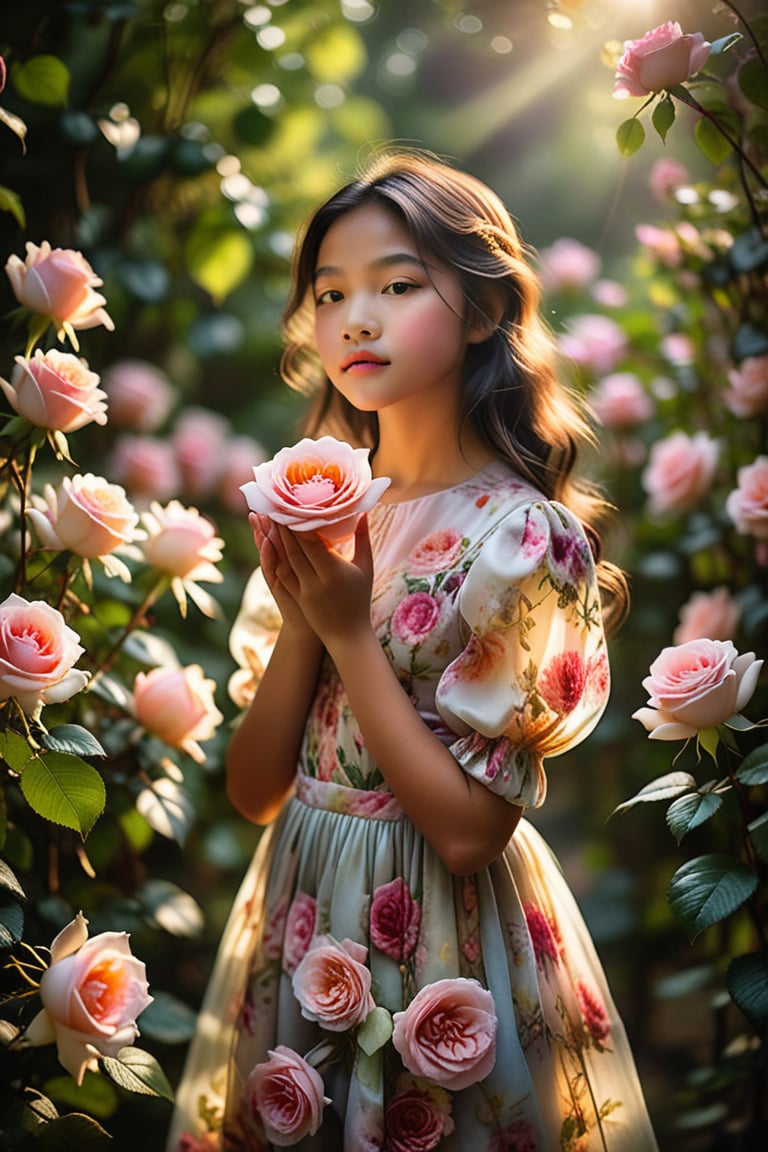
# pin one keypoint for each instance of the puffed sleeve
(533, 679)
(252, 638)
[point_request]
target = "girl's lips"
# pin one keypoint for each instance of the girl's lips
(362, 360)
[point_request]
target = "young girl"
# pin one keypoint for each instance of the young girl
(399, 728)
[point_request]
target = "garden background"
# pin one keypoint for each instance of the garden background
(178, 145)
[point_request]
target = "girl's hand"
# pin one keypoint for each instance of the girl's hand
(271, 558)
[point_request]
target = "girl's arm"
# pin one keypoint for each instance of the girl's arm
(466, 824)
(264, 749)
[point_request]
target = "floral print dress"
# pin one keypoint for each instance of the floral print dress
(383, 1002)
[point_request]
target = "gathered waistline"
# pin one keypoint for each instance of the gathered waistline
(331, 797)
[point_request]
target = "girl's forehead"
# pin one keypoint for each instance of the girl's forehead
(365, 230)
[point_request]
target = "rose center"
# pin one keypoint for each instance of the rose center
(103, 990)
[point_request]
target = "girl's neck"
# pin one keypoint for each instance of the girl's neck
(422, 463)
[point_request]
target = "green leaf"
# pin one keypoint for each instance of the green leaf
(218, 260)
(375, 1030)
(711, 142)
(11, 923)
(64, 790)
(708, 739)
(96, 1095)
(42, 80)
(168, 1019)
(9, 880)
(666, 787)
(15, 749)
(10, 201)
(167, 809)
(663, 116)
(137, 1071)
(754, 767)
(72, 1131)
(707, 889)
(753, 82)
(74, 739)
(758, 834)
(630, 136)
(172, 908)
(747, 981)
(689, 811)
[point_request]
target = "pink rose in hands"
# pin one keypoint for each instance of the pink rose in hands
(320, 485)
(333, 985)
(286, 1093)
(447, 1034)
(708, 615)
(55, 390)
(395, 920)
(59, 283)
(37, 653)
(91, 993)
(659, 60)
(747, 505)
(177, 705)
(680, 471)
(696, 685)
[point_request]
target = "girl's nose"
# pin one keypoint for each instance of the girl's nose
(360, 324)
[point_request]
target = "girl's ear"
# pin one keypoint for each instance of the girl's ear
(485, 317)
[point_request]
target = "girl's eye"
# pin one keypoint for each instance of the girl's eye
(399, 287)
(329, 296)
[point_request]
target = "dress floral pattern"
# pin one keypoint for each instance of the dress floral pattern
(411, 1009)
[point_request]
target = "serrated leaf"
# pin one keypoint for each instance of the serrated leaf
(707, 889)
(166, 808)
(137, 1071)
(11, 922)
(754, 767)
(42, 80)
(753, 82)
(75, 1130)
(630, 136)
(375, 1030)
(666, 787)
(690, 811)
(74, 739)
(711, 142)
(9, 880)
(747, 981)
(168, 1019)
(15, 749)
(64, 790)
(663, 116)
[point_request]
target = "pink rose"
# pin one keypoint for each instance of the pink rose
(667, 175)
(182, 542)
(299, 930)
(417, 1116)
(593, 1011)
(146, 467)
(274, 931)
(567, 265)
(140, 395)
(240, 454)
(748, 395)
(448, 1033)
(287, 1095)
(37, 654)
(415, 617)
(696, 685)
(663, 243)
(199, 442)
(561, 684)
(438, 552)
(620, 401)
(747, 505)
(708, 615)
(680, 471)
(55, 390)
(395, 920)
(177, 705)
(659, 60)
(317, 485)
(595, 342)
(59, 283)
(609, 293)
(87, 516)
(91, 993)
(333, 985)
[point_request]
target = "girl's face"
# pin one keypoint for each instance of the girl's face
(390, 329)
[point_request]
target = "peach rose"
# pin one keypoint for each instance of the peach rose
(55, 390)
(317, 485)
(182, 542)
(695, 685)
(748, 395)
(91, 993)
(37, 653)
(140, 395)
(87, 516)
(59, 283)
(747, 505)
(708, 615)
(620, 401)
(659, 60)
(333, 985)
(438, 552)
(680, 471)
(287, 1095)
(177, 705)
(448, 1033)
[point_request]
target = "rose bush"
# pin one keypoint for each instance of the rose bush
(287, 1095)
(55, 390)
(659, 60)
(447, 1033)
(37, 654)
(177, 706)
(333, 985)
(319, 485)
(58, 283)
(92, 993)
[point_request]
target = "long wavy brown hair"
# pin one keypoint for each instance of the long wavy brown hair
(512, 393)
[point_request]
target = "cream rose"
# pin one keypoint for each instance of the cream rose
(660, 59)
(747, 505)
(320, 485)
(91, 994)
(333, 985)
(286, 1093)
(55, 390)
(447, 1034)
(696, 685)
(86, 515)
(37, 653)
(60, 283)
(177, 705)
